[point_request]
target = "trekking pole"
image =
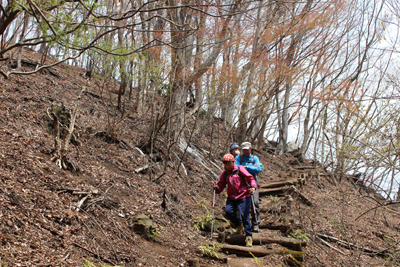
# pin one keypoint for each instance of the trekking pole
(257, 219)
(212, 222)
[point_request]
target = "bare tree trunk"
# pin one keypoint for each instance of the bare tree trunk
(284, 131)
(242, 123)
(122, 68)
(306, 129)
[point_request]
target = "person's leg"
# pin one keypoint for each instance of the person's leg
(255, 217)
(238, 214)
(244, 207)
(231, 206)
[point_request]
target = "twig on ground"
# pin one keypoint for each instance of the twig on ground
(332, 247)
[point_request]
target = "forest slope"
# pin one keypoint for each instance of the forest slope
(42, 226)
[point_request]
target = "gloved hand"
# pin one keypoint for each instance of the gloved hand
(215, 186)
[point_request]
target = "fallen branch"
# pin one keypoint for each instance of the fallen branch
(144, 168)
(350, 245)
(76, 191)
(127, 144)
(101, 198)
(184, 169)
(330, 246)
(111, 245)
(94, 254)
(140, 151)
(80, 202)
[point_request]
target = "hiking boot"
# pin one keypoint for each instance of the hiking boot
(239, 230)
(249, 241)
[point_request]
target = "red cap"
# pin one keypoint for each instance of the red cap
(228, 157)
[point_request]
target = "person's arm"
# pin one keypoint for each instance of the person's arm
(249, 178)
(255, 169)
(221, 183)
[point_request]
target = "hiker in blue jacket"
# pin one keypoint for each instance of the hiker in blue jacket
(252, 165)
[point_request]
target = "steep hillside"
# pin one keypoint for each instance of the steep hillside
(55, 217)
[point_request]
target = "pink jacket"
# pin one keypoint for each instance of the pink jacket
(237, 184)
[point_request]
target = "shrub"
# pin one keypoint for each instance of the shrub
(299, 234)
(210, 250)
(155, 235)
(203, 223)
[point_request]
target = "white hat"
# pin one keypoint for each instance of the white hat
(246, 145)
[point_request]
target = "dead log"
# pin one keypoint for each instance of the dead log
(277, 190)
(260, 252)
(270, 226)
(295, 191)
(240, 240)
(278, 184)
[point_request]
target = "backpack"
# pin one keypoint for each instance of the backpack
(251, 161)
(233, 173)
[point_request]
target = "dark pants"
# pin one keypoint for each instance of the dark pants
(255, 217)
(243, 205)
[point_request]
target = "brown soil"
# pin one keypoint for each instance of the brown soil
(40, 226)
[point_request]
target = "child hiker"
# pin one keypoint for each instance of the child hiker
(240, 184)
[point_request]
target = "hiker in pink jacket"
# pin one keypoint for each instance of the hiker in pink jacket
(240, 184)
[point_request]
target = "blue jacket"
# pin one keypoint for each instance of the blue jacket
(250, 166)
